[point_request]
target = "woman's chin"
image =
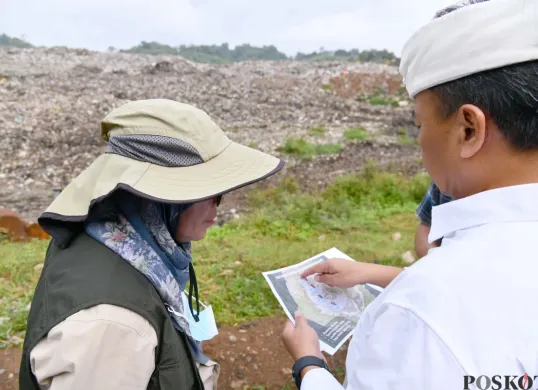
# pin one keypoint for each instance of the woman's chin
(200, 235)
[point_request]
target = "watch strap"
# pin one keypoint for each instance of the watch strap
(303, 362)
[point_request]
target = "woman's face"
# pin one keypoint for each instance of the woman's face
(194, 222)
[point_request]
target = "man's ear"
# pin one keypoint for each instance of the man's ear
(472, 130)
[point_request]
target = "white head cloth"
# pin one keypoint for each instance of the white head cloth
(472, 39)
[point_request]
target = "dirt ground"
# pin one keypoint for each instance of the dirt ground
(9, 368)
(251, 355)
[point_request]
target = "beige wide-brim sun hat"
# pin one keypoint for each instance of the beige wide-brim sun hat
(222, 165)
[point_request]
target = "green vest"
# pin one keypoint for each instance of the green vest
(86, 274)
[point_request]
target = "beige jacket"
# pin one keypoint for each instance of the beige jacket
(103, 347)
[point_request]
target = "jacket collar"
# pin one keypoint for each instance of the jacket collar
(507, 204)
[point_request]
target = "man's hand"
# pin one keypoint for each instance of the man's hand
(345, 273)
(340, 273)
(301, 340)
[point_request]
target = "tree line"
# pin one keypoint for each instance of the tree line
(222, 54)
(6, 40)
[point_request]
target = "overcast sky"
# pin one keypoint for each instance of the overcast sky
(291, 25)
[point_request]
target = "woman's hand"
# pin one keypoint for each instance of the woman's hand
(346, 273)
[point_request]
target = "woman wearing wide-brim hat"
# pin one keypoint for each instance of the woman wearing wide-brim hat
(110, 310)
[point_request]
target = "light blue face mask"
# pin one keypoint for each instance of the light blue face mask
(203, 329)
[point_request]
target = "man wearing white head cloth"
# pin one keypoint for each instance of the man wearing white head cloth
(463, 317)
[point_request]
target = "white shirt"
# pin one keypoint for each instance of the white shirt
(467, 308)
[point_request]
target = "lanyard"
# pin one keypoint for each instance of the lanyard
(193, 285)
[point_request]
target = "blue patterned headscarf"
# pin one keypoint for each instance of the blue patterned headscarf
(143, 235)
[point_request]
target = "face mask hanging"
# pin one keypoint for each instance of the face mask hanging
(203, 329)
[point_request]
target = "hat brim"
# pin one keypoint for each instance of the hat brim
(237, 166)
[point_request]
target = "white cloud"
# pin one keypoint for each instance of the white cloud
(387, 25)
(291, 25)
(98, 24)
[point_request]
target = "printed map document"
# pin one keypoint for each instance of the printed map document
(332, 312)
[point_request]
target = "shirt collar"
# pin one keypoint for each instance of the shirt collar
(507, 204)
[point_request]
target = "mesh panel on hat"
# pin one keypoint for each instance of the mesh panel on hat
(155, 149)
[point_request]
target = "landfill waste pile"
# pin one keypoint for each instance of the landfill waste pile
(52, 100)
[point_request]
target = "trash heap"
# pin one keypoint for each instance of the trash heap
(52, 100)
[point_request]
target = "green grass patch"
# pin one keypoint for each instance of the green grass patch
(356, 134)
(384, 101)
(19, 272)
(328, 148)
(301, 148)
(405, 139)
(402, 92)
(358, 214)
(317, 131)
(380, 100)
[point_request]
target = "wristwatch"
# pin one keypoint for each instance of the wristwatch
(303, 362)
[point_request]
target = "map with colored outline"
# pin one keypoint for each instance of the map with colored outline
(332, 312)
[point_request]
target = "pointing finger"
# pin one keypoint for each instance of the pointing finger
(316, 269)
(328, 279)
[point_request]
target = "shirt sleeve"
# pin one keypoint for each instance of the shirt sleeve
(398, 350)
(320, 378)
(103, 347)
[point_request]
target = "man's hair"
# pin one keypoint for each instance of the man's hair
(508, 94)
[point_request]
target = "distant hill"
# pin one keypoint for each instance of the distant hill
(218, 54)
(353, 55)
(6, 40)
(222, 54)
(215, 54)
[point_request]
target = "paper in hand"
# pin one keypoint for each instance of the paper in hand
(333, 312)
